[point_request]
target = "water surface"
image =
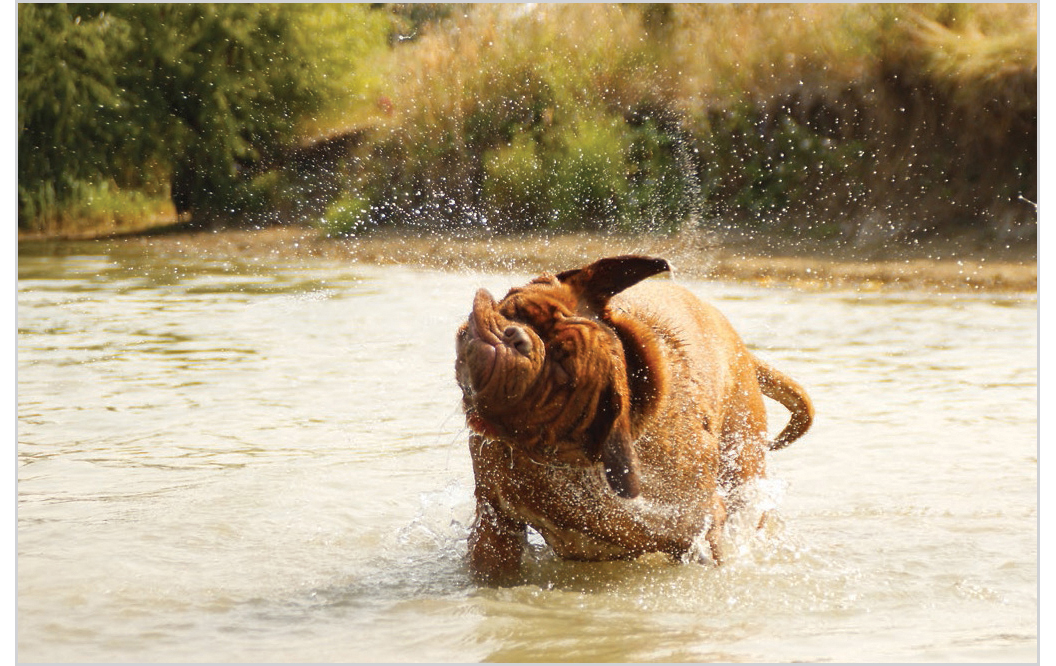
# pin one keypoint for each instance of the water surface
(232, 460)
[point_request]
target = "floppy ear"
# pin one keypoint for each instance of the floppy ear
(605, 278)
(610, 441)
(619, 460)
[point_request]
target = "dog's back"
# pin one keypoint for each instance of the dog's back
(714, 400)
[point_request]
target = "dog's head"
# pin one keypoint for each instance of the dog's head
(545, 368)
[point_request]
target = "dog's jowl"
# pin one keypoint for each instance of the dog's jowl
(613, 414)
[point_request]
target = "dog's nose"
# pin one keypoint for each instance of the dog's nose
(515, 336)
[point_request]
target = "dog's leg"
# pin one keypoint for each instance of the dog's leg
(496, 544)
(496, 540)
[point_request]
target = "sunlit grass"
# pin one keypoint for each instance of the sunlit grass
(809, 118)
(101, 208)
(700, 54)
(983, 55)
(502, 92)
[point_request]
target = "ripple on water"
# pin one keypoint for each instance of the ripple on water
(245, 462)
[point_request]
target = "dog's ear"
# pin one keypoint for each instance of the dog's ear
(620, 461)
(610, 442)
(605, 278)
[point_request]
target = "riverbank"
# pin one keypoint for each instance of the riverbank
(965, 264)
(815, 119)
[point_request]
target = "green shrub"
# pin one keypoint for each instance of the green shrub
(517, 185)
(195, 98)
(345, 216)
(587, 160)
(664, 184)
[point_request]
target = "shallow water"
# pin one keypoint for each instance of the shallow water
(232, 461)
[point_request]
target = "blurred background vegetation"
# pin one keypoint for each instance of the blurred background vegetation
(864, 122)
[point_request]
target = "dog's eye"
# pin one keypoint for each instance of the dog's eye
(573, 320)
(533, 318)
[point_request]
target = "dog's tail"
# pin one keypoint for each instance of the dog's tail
(785, 390)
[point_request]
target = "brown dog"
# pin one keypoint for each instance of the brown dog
(615, 418)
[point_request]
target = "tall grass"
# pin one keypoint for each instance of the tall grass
(810, 118)
(101, 207)
(860, 121)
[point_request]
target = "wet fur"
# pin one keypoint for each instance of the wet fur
(614, 416)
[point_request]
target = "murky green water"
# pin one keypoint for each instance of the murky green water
(223, 461)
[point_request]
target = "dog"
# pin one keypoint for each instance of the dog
(615, 415)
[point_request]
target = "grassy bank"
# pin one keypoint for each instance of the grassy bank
(858, 124)
(850, 121)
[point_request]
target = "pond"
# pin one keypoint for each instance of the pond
(232, 460)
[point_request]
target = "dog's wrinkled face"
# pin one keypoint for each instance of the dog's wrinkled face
(543, 368)
(523, 359)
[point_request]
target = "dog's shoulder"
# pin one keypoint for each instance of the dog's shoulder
(667, 305)
(673, 325)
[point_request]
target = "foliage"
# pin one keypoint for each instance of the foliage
(516, 184)
(189, 99)
(345, 216)
(68, 99)
(644, 117)
(805, 118)
(587, 158)
(763, 167)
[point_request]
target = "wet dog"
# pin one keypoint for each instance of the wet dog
(613, 415)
